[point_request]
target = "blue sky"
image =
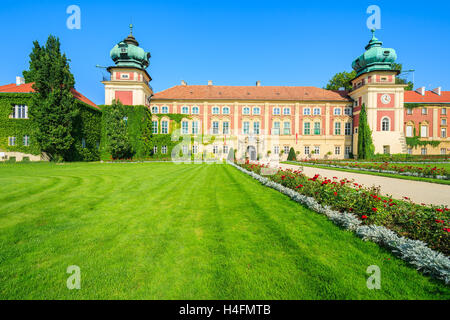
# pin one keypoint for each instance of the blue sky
(231, 42)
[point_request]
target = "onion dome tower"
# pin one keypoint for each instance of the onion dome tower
(129, 82)
(375, 58)
(376, 87)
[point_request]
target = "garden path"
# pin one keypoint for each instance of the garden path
(417, 191)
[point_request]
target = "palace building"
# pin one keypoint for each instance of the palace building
(272, 119)
(258, 122)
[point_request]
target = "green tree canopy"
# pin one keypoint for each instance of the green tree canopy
(119, 144)
(53, 105)
(342, 79)
(366, 149)
(291, 156)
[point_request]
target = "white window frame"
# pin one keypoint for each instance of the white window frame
(154, 127)
(155, 109)
(184, 127)
(286, 149)
(26, 141)
(256, 111)
(409, 131)
(246, 127)
(215, 110)
(276, 111)
(215, 127)
(225, 127)
(256, 126)
(337, 111)
(276, 128)
(383, 124)
(348, 129)
(306, 111)
(194, 127)
(317, 111)
(287, 111)
(246, 111)
(307, 150)
(226, 110)
(337, 150)
(164, 109)
(423, 131)
(348, 111)
(164, 127)
(195, 110)
(286, 128)
(11, 141)
(185, 110)
(164, 149)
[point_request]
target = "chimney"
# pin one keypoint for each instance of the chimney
(421, 91)
(19, 81)
(210, 83)
(258, 83)
(183, 83)
(437, 90)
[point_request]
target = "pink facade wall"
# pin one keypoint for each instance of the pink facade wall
(126, 97)
(385, 113)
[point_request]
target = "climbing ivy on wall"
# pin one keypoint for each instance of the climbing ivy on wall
(87, 126)
(15, 127)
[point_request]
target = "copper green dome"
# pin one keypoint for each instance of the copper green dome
(127, 53)
(375, 58)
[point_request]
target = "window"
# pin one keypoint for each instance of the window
(194, 127)
(316, 111)
(287, 128)
(348, 129)
(443, 111)
(154, 127)
(226, 127)
(424, 110)
(154, 109)
(256, 111)
(184, 149)
(225, 150)
(409, 131)
(276, 128)
(306, 128)
(184, 110)
(316, 149)
(246, 129)
(226, 110)
(356, 130)
(443, 151)
(164, 149)
(306, 149)
(165, 109)
(246, 110)
(124, 76)
(215, 127)
(316, 128)
(306, 111)
(410, 151)
(184, 127)
(409, 111)
(194, 149)
(423, 151)
(286, 111)
(337, 111)
(286, 149)
(276, 149)
(443, 122)
(423, 131)
(215, 110)
(337, 128)
(385, 124)
(337, 150)
(165, 127)
(255, 127)
(20, 111)
(443, 132)
(386, 150)
(26, 141)
(347, 151)
(195, 110)
(276, 111)
(155, 149)
(83, 142)
(215, 149)
(348, 111)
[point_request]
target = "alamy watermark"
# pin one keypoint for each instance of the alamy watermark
(374, 20)
(74, 20)
(374, 281)
(74, 280)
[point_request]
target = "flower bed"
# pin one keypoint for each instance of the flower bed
(425, 171)
(371, 216)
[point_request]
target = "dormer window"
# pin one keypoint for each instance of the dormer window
(125, 76)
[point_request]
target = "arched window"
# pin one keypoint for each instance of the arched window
(215, 110)
(185, 110)
(164, 109)
(385, 124)
(194, 110)
(154, 109)
(226, 110)
(246, 110)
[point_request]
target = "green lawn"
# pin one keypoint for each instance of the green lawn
(167, 231)
(390, 175)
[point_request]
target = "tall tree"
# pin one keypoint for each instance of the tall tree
(366, 148)
(291, 155)
(341, 80)
(52, 108)
(119, 144)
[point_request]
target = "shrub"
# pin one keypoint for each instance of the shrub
(291, 156)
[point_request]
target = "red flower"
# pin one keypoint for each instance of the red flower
(299, 186)
(335, 193)
(283, 177)
(364, 217)
(374, 209)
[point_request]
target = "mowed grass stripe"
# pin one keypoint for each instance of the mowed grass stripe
(166, 231)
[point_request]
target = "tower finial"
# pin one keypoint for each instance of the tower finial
(131, 28)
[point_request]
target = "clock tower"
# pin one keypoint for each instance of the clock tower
(375, 86)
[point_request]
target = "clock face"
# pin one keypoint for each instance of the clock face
(385, 98)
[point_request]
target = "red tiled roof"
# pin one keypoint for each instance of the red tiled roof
(28, 88)
(429, 97)
(212, 92)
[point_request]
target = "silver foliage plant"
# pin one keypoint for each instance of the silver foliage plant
(415, 252)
